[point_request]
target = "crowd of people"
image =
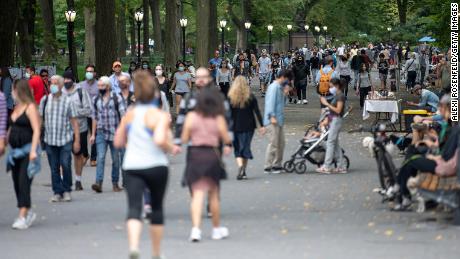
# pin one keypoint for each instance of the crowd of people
(215, 112)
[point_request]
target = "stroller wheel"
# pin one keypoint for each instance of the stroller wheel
(347, 162)
(289, 166)
(300, 167)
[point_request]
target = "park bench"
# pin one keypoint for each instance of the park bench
(442, 189)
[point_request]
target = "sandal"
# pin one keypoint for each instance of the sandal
(323, 170)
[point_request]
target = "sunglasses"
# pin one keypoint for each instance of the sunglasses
(44, 75)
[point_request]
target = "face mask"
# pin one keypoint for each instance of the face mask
(133, 68)
(145, 66)
(102, 91)
(333, 90)
(89, 76)
(27, 75)
(68, 85)
(54, 89)
(159, 72)
(181, 69)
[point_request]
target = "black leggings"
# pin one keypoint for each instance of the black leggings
(224, 87)
(155, 180)
(348, 79)
(363, 92)
(301, 92)
(22, 182)
(410, 169)
(411, 76)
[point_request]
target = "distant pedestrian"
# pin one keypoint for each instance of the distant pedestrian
(363, 85)
(182, 84)
(411, 69)
(205, 128)
(24, 157)
(245, 115)
(145, 133)
(115, 77)
(383, 67)
(263, 70)
(344, 71)
(35, 83)
(301, 72)
(224, 77)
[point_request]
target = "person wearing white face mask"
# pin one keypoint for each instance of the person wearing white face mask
(337, 109)
(163, 83)
(90, 85)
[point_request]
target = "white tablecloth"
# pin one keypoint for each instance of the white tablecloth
(390, 106)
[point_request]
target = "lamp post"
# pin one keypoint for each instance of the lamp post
(70, 17)
(317, 29)
(183, 24)
(270, 29)
(222, 24)
(289, 27)
(389, 34)
(247, 25)
(139, 16)
(306, 27)
(325, 35)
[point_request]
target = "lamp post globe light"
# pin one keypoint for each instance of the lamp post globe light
(306, 27)
(289, 27)
(70, 16)
(247, 25)
(389, 33)
(325, 35)
(183, 23)
(317, 29)
(270, 29)
(222, 25)
(139, 16)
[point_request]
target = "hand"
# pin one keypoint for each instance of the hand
(76, 146)
(227, 150)
(92, 139)
(176, 149)
(273, 121)
(410, 103)
(262, 131)
(2, 147)
(323, 100)
(32, 155)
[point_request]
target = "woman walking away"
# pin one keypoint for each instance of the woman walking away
(206, 128)
(145, 133)
(336, 109)
(244, 106)
(364, 85)
(344, 70)
(182, 83)
(23, 158)
(224, 77)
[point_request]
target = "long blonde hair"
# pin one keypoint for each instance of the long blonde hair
(239, 92)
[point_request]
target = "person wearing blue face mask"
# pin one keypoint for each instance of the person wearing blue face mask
(336, 108)
(274, 120)
(182, 84)
(90, 85)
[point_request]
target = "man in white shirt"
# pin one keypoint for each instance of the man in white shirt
(114, 78)
(263, 70)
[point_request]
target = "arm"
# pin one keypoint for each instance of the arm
(257, 112)
(270, 99)
(336, 109)
(189, 82)
(76, 131)
(228, 118)
(173, 85)
(34, 118)
(3, 121)
(423, 101)
(217, 77)
(85, 110)
(163, 136)
(120, 138)
(223, 130)
(185, 135)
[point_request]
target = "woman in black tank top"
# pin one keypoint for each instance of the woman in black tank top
(24, 130)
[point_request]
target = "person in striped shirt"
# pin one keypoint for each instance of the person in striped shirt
(3, 121)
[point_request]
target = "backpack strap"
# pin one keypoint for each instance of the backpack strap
(80, 95)
(95, 103)
(330, 72)
(321, 71)
(45, 102)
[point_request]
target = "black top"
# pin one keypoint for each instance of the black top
(383, 67)
(244, 118)
(21, 131)
(300, 73)
(241, 71)
(338, 97)
(314, 62)
(164, 87)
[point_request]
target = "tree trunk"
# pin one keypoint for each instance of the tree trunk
(241, 34)
(121, 26)
(49, 30)
(213, 31)
(156, 21)
(402, 10)
(106, 48)
(25, 38)
(72, 49)
(146, 6)
(203, 30)
(172, 35)
(8, 19)
(31, 25)
(132, 32)
(90, 52)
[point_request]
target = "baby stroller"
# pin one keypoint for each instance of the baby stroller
(312, 149)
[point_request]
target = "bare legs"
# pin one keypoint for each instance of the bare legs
(134, 227)
(178, 100)
(196, 206)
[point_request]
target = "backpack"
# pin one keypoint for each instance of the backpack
(114, 97)
(323, 88)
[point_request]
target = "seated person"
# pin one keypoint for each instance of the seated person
(320, 128)
(428, 99)
(443, 138)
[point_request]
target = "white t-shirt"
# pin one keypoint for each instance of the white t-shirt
(264, 64)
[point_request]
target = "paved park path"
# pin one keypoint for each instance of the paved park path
(269, 216)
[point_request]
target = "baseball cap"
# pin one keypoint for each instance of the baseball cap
(116, 63)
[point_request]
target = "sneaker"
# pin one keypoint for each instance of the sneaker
(240, 174)
(20, 223)
(220, 233)
(277, 170)
(323, 170)
(56, 198)
(340, 171)
(267, 170)
(305, 101)
(195, 235)
(78, 186)
(31, 216)
(244, 177)
(66, 197)
(299, 102)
